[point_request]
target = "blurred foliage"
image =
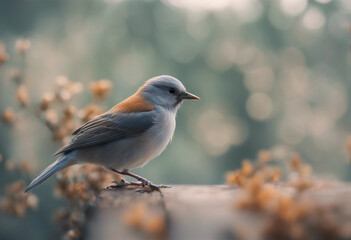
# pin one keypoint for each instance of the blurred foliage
(287, 213)
(271, 75)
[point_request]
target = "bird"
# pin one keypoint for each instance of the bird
(127, 136)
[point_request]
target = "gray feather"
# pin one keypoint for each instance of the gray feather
(109, 127)
(58, 165)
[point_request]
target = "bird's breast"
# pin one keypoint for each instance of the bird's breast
(161, 133)
(155, 140)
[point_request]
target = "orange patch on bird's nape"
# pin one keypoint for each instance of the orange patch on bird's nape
(135, 103)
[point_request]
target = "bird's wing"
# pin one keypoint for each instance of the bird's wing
(109, 127)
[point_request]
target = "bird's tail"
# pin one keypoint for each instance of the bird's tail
(58, 165)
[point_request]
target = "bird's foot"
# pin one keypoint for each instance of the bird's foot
(152, 186)
(155, 187)
(123, 183)
(143, 182)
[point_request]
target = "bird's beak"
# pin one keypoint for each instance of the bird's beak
(188, 96)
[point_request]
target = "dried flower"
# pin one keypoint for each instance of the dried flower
(16, 202)
(85, 184)
(78, 187)
(100, 88)
(257, 197)
(69, 112)
(78, 191)
(235, 177)
(61, 82)
(8, 116)
(47, 99)
(90, 112)
(59, 133)
(73, 234)
(3, 55)
(51, 116)
(295, 162)
(22, 46)
(22, 95)
(238, 177)
(75, 87)
(147, 220)
(264, 156)
(3, 58)
(23, 166)
(32, 201)
(64, 95)
(297, 165)
(246, 167)
(302, 183)
(287, 216)
(272, 174)
(97, 177)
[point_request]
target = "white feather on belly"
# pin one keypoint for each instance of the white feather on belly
(161, 133)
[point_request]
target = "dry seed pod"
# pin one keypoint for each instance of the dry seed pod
(100, 88)
(47, 99)
(32, 201)
(75, 88)
(264, 156)
(69, 111)
(89, 112)
(22, 95)
(8, 116)
(64, 95)
(3, 58)
(51, 116)
(3, 55)
(61, 82)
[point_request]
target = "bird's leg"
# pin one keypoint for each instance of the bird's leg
(123, 182)
(144, 181)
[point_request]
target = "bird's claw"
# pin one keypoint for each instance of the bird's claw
(155, 187)
(145, 183)
(121, 184)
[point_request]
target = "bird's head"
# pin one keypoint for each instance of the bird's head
(166, 91)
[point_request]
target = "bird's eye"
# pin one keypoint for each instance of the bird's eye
(172, 91)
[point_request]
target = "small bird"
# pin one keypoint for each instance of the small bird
(127, 136)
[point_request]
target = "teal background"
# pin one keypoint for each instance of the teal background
(271, 75)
